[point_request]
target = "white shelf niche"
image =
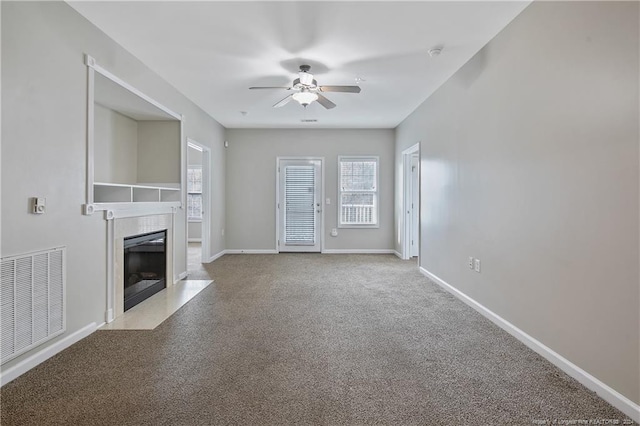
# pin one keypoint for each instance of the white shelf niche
(104, 192)
(125, 128)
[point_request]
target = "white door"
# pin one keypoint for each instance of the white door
(415, 205)
(299, 205)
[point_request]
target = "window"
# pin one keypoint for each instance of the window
(358, 192)
(194, 193)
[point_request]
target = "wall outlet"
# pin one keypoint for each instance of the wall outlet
(476, 265)
(328, 201)
(470, 262)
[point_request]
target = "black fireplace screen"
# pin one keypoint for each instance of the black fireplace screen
(145, 265)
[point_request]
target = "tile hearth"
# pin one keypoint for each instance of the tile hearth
(153, 311)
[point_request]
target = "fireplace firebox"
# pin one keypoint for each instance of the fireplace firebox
(145, 265)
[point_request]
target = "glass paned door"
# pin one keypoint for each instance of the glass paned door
(299, 206)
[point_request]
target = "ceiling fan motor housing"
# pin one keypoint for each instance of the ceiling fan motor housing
(306, 78)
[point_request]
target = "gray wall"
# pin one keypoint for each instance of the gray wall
(251, 183)
(529, 159)
(44, 82)
(158, 151)
(116, 147)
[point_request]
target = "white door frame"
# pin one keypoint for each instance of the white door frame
(277, 210)
(406, 201)
(206, 202)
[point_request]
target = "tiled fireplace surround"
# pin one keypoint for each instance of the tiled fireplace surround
(126, 227)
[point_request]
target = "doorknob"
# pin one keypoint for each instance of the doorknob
(318, 210)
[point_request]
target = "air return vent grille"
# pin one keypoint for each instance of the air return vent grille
(31, 300)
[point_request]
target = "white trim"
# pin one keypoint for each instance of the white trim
(9, 374)
(194, 145)
(376, 193)
(173, 251)
(358, 251)
(194, 240)
(607, 393)
(91, 63)
(406, 196)
(90, 131)
(110, 284)
(126, 209)
(398, 255)
(206, 197)
(136, 186)
(181, 276)
(322, 197)
(216, 256)
(183, 175)
(251, 251)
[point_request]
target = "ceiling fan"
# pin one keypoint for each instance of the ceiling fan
(307, 90)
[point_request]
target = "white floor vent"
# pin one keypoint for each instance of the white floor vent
(31, 301)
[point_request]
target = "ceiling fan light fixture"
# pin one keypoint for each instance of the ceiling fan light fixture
(305, 98)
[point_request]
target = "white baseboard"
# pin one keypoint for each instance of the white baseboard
(358, 251)
(216, 256)
(250, 251)
(28, 363)
(398, 254)
(194, 240)
(607, 393)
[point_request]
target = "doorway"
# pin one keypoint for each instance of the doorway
(415, 205)
(411, 202)
(299, 205)
(198, 204)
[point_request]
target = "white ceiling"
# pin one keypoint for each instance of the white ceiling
(214, 51)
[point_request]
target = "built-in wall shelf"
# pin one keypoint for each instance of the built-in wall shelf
(126, 193)
(136, 156)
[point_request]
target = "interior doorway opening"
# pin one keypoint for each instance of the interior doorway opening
(411, 203)
(198, 204)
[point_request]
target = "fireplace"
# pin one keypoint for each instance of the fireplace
(145, 266)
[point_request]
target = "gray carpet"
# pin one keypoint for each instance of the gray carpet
(305, 339)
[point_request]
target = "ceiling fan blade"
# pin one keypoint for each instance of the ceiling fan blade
(271, 87)
(325, 102)
(345, 89)
(283, 102)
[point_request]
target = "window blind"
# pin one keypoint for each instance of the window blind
(300, 209)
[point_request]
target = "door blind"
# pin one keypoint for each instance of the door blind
(299, 189)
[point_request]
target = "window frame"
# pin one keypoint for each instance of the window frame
(376, 192)
(190, 219)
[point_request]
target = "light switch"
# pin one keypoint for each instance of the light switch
(38, 205)
(328, 201)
